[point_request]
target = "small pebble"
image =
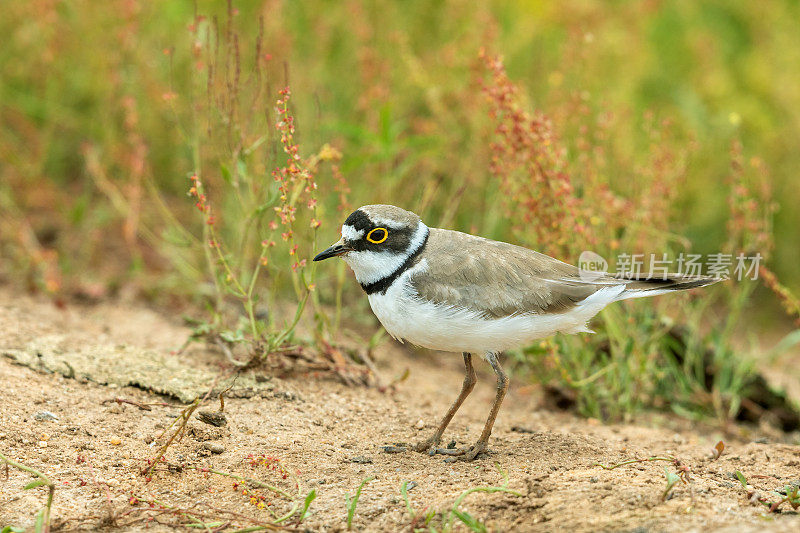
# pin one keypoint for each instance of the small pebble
(214, 447)
(42, 444)
(116, 441)
(420, 424)
(112, 482)
(45, 416)
(360, 459)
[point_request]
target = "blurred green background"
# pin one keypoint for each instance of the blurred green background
(393, 86)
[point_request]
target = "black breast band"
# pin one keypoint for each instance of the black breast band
(383, 284)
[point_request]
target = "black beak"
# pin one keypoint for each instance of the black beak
(333, 251)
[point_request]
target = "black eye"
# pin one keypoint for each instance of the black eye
(378, 235)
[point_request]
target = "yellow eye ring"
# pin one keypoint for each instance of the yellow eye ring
(373, 240)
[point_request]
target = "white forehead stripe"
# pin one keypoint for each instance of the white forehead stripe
(386, 222)
(350, 233)
(378, 220)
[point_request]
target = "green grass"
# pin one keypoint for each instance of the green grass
(773, 500)
(351, 502)
(42, 518)
(446, 520)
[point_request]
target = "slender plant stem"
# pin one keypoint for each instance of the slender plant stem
(184, 418)
(250, 480)
(45, 481)
(632, 461)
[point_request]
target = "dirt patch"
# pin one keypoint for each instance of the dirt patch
(125, 365)
(326, 436)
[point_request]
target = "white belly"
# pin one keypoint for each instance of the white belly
(449, 329)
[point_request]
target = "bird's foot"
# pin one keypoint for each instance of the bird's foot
(467, 453)
(428, 445)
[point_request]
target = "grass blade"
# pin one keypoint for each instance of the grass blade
(306, 504)
(353, 502)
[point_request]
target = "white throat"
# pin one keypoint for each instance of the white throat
(370, 266)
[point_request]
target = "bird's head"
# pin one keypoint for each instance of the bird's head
(377, 240)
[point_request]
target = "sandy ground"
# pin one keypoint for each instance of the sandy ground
(323, 435)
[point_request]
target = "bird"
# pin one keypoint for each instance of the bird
(455, 292)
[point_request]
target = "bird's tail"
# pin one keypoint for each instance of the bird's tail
(643, 286)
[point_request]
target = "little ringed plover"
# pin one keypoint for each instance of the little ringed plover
(451, 291)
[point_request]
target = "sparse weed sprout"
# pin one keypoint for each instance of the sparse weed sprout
(352, 501)
(445, 520)
(42, 520)
(773, 500)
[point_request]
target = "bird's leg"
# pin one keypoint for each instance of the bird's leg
(502, 387)
(470, 379)
(468, 454)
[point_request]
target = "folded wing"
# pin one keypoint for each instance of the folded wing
(499, 279)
